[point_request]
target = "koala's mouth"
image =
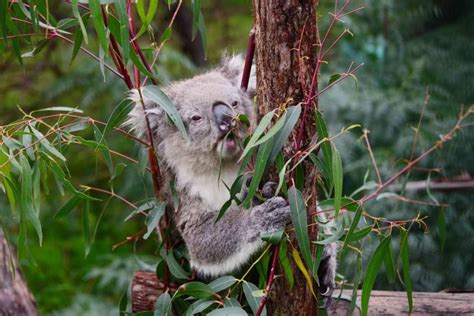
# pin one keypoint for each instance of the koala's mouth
(228, 146)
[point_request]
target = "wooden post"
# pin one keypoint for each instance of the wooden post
(15, 298)
(286, 35)
(146, 288)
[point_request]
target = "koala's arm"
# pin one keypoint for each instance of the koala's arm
(223, 247)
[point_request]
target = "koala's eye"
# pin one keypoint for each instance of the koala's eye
(235, 103)
(196, 118)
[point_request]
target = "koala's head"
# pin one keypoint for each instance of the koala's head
(208, 105)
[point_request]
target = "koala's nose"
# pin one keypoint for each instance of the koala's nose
(223, 115)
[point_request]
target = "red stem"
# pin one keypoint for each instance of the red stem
(248, 60)
(116, 55)
(271, 277)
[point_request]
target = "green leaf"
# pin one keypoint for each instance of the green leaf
(166, 35)
(275, 129)
(234, 190)
(406, 267)
(198, 307)
(300, 222)
(228, 311)
(222, 283)
(347, 203)
(390, 265)
(66, 109)
(202, 31)
(372, 270)
(38, 48)
(244, 119)
(357, 235)
(86, 228)
(157, 96)
(78, 38)
(337, 179)
(68, 206)
(46, 144)
(196, 10)
(260, 165)
(355, 222)
(285, 263)
(264, 122)
(121, 7)
(123, 303)
(163, 305)
(281, 176)
(77, 15)
(27, 209)
(13, 192)
(95, 8)
(333, 78)
(117, 116)
(141, 67)
(254, 301)
(332, 238)
(323, 133)
(293, 113)
(231, 302)
(194, 289)
(273, 237)
(176, 270)
(154, 217)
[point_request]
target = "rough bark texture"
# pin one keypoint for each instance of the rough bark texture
(145, 291)
(146, 288)
(15, 299)
(286, 58)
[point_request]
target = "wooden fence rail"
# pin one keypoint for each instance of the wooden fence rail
(146, 288)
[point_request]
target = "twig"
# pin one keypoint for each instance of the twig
(371, 153)
(271, 277)
(111, 193)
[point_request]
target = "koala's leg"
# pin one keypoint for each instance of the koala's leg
(223, 247)
(327, 271)
(327, 267)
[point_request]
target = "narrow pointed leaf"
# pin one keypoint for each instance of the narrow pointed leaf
(155, 94)
(371, 274)
(337, 179)
(300, 222)
(406, 267)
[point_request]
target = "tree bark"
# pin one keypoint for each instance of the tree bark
(286, 37)
(15, 298)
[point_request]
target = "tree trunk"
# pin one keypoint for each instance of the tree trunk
(286, 37)
(15, 298)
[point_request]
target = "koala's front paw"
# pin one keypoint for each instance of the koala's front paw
(273, 214)
(327, 272)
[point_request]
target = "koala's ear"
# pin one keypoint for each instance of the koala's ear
(232, 67)
(136, 118)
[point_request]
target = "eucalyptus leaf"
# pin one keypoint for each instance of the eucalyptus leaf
(155, 94)
(373, 268)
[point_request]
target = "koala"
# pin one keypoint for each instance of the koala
(202, 164)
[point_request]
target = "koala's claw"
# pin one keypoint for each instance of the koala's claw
(327, 273)
(269, 189)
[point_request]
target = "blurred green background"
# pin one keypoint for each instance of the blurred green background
(408, 47)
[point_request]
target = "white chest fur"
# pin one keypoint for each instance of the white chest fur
(209, 187)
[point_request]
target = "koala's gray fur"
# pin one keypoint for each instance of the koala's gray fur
(214, 248)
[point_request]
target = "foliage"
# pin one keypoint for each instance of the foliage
(54, 197)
